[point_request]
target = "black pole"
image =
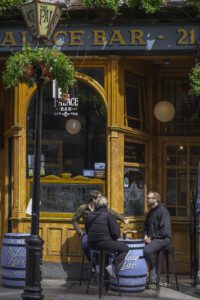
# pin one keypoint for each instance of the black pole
(34, 244)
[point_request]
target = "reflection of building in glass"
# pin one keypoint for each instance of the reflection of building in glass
(134, 191)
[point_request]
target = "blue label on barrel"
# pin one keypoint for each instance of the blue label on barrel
(133, 271)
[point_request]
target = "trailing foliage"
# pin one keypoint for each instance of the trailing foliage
(5, 4)
(195, 80)
(149, 6)
(53, 64)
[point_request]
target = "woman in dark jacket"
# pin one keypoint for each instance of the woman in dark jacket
(103, 232)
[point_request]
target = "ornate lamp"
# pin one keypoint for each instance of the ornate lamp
(164, 111)
(41, 18)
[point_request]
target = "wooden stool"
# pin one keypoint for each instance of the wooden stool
(166, 251)
(100, 256)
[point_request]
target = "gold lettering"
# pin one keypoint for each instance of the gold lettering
(76, 37)
(23, 37)
(186, 37)
(99, 37)
(59, 41)
(137, 37)
(117, 37)
(8, 39)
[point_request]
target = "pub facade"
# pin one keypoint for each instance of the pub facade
(107, 133)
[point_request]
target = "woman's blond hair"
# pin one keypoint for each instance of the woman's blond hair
(102, 201)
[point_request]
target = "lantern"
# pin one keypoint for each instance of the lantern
(164, 111)
(41, 17)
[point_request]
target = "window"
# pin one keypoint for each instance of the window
(134, 178)
(181, 178)
(187, 114)
(135, 101)
(66, 149)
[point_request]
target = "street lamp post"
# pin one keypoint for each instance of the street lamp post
(41, 18)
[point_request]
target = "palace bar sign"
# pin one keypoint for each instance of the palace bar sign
(90, 38)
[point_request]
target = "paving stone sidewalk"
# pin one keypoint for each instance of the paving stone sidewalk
(59, 289)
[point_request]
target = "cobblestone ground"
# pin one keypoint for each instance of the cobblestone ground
(59, 289)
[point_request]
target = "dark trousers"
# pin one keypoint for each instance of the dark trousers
(152, 247)
(85, 248)
(112, 246)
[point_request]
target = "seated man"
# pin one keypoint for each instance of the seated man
(157, 230)
(103, 232)
(82, 213)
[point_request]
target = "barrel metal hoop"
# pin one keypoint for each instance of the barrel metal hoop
(11, 278)
(13, 268)
(129, 286)
(12, 286)
(133, 276)
(133, 242)
(14, 245)
(136, 248)
(13, 237)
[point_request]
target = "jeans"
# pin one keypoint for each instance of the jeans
(85, 248)
(154, 246)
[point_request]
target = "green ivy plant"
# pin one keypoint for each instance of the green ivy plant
(195, 80)
(21, 67)
(5, 4)
(149, 6)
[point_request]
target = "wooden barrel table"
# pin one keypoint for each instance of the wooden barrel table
(133, 271)
(13, 260)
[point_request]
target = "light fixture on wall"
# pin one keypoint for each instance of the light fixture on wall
(164, 111)
(73, 126)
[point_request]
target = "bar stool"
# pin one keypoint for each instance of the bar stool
(166, 251)
(102, 276)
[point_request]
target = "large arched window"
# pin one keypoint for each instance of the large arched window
(73, 132)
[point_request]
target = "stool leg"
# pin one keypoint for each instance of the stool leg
(159, 267)
(101, 270)
(90, 273)
(82, 267)
(166, 254)
(174, 269)
(117, 275)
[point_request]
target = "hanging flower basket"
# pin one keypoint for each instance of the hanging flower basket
(28, 71)
(21, 67)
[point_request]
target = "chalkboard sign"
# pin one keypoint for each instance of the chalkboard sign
(134, 152)
(65, 197)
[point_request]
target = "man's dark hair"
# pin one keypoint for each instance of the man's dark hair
(94, 195)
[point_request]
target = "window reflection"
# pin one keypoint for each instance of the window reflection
(63, 151)
(95, 73)
(134, 179)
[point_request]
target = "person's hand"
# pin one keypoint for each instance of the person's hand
(126, 221)
(147, 239)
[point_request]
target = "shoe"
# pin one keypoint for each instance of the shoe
(153, 276)
(111, 270)
(97, 268)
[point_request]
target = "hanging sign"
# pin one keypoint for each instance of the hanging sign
(64, 104)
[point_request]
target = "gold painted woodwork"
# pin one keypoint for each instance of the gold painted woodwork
(62, 244)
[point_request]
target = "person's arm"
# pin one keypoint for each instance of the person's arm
(118, 216)
(164, 228)
(75, 220)
(113, 227)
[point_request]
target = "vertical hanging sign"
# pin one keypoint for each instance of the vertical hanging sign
(64, 104)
